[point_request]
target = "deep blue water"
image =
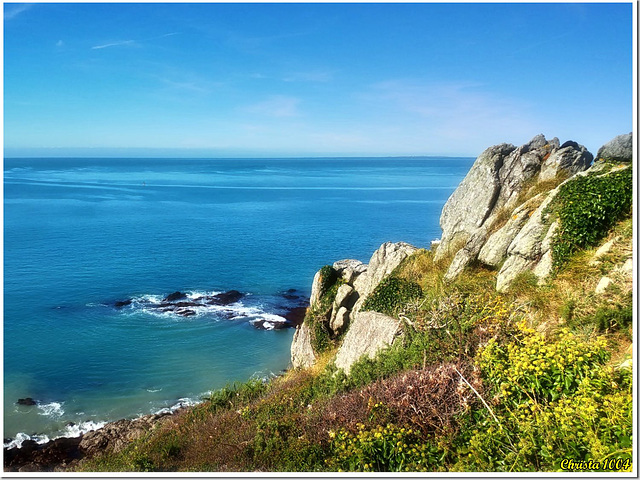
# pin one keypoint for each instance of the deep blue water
(81, 234)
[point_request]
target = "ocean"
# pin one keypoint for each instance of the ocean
(82, 234)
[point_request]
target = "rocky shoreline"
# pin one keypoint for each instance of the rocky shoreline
(66, 453)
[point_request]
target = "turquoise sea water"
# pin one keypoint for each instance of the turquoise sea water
(81, 234)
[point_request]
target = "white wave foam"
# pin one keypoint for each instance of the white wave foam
(21, 437)
(71, 430)
(182, 402)
(153, 390)
(53, 409)
(78, 429)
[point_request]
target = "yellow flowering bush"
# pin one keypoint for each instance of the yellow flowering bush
(381, 449)
(554, 399)
(531, 367)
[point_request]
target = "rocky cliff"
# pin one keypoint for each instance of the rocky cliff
(334, 313)
(499, 216)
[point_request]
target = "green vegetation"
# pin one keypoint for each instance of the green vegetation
(318, 317)
(479, 381)
(587, 207)
(392, 293)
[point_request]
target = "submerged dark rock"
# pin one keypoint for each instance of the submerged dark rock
(225, 298)
(26, 401)
(123, 303)
(172, 297)
(295, 316)
(54, 455)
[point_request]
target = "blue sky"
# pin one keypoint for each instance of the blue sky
(312, 79)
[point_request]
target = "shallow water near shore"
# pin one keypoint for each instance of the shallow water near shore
(83, 234)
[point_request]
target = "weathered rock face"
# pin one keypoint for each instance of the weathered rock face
(620, 149)
(382, 263)
(368, 334)
(472, 202)
(349, 269)
(359, 281)
(117, 435)
(302, 355)
(570, 159)
(494, 251)
(492, 189)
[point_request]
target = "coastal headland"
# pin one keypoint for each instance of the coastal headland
(505, 346)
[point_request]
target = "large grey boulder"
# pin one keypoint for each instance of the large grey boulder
(360, 280)
(302, 355)
(493, 183)
(620, 149)
(527, 249)
(368, 333)
(472, 202)
(383, 261)
(349, 269)
(494, 187)
(568, 160)
(494, 251)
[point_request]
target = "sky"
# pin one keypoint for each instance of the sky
(332, 79)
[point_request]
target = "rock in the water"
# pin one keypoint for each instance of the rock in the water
(26, 401)
(620, 149)
(172, 297)
(51, 456)
(302, 355)
(123, 303)
(295, 316)
(225, 298)
(368, 333)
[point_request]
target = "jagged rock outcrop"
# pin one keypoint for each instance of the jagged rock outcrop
(530, 245)
(368, 333)
(494, 251)
(383, 261)
(620, 149)
(359, 281)
(118, 435)
(493, 188)
(349, 269)
(569, 159)
(302, 355)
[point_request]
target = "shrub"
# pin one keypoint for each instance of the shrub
(328, 277)
(390, 294)
(381, 449)
(587, 207)
(553, 399)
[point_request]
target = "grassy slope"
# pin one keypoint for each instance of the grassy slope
(481, 381)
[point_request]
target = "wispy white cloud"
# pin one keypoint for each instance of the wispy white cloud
(120, 43)
(114, 44)
(454, 111)
(13, 10)
(279, 106)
